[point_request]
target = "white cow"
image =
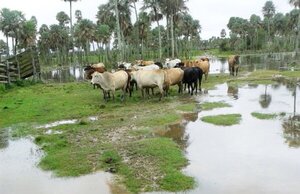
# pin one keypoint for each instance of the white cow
(149, 79)
(110, 82)
(171, 63)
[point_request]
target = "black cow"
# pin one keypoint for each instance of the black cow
(191, 77)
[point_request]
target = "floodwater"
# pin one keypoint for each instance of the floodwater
(19, 174)
(274, 61)
(255, 156)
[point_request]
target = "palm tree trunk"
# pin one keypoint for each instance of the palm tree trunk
(298, 36)
(71, 32)
(172, 35)
(118, 31)
(7, 46)
(159, 39)
(168, 35)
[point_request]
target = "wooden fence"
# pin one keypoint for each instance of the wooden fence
(20, 66)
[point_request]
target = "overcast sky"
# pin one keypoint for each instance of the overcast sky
(212, 14)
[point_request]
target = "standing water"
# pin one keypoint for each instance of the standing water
(19, 174)
(254, 156)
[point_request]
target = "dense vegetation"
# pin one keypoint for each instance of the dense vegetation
(114, 36)
(274, 32)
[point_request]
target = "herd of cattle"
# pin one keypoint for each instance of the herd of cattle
(145, 75)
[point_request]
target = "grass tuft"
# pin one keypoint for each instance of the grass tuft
(263, 116)
(223, 119)
(213, 105)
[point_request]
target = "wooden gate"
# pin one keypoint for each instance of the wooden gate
(20, 66)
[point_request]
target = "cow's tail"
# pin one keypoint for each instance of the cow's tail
(128, 87)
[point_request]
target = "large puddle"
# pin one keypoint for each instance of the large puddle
(255, 156)
(19, 174)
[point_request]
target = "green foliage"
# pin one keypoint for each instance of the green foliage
(223, 119)
(263, 115)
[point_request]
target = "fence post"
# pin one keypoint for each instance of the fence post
(7, 72)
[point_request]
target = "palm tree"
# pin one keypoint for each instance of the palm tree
(78, 15)
(62, 18)
(170, 8)
(71, 27)
(120, 44)
(10, 23)
(153, 4)
(70, 14)
(296, 4)
(268, 12)
(144, 27)
(84, 33)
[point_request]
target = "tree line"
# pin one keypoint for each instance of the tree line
(112, 37)
(274, 32)
(122, 32)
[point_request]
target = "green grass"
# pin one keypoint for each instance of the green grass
(223, 119)
(187, 107)
(263, 115)
(213, 105)
(170, 160)
(48, 102)
(218, 53)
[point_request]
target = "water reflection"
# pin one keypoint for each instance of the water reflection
(19, 174)
(64, 74)
(233, 91)
(274, 61)
(247, 158)
(177, 133)
(265, 99)
(291, 130)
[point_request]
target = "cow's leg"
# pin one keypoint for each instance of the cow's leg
(196, 85)
(161, 89)
(143, 95)
(236, 71)
(123, 95)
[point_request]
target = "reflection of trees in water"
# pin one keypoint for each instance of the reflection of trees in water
(265, 99)
(252, 85)
(233, 91)
(275, 86)
(64, 74)
(3, 138)
(291, 131)
(177, 133)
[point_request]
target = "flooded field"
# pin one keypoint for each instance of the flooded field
(19, 174)
(255, 156)
(276, 61)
